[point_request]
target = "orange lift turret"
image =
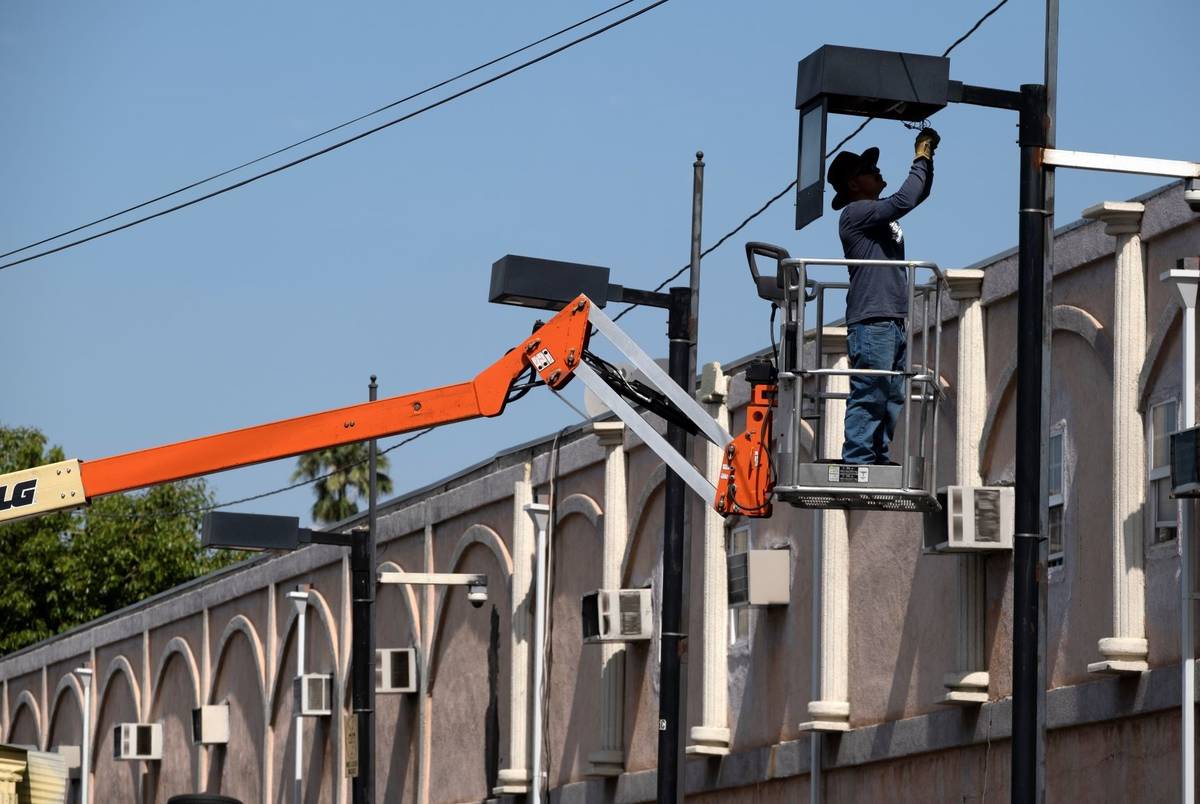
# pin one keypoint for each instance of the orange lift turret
(552, 355)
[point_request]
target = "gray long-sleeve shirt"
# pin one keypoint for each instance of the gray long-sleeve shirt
(869, 232)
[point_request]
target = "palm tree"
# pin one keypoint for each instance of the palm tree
(342, 480)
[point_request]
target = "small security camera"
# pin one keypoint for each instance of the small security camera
(1191, 194)
(477, 594)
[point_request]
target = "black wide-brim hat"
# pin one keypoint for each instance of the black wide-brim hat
(846, 166)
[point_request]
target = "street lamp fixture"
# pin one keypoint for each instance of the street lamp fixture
(546, 284)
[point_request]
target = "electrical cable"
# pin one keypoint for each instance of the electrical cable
(771, 327)
(341, 143)
(318, 135)
(973, 29)
(792, 185)
(745, 222)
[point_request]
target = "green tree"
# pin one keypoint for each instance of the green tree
(66, 568)
(342, 480)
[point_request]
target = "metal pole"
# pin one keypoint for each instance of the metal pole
(362, 658)
(816, 781)
(540, 512)
(1030, 322)
(672, 705)
(1186, 647)
(694, 265)
(301, 599)
(1051, 83)
(85, 749)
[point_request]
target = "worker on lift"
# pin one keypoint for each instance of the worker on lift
(877, 304)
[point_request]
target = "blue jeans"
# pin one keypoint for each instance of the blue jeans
(875, 402)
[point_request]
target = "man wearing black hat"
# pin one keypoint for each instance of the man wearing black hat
(877, 304)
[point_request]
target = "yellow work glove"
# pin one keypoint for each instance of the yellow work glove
(926, 144)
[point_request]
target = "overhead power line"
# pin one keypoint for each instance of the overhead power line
(661, 285)
(318, 135)
(342, 143)
(792, 185)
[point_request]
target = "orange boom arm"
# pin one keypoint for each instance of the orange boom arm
(553, 351)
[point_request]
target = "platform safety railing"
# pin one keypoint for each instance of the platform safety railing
(804, 388)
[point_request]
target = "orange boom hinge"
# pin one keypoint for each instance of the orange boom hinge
(746, 480)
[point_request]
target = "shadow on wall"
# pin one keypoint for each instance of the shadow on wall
(491, 716)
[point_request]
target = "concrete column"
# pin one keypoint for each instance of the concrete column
(711, 737)
(830, 707)
(1126, 650)
(514, 779)
(12, 772)
(968, 685)
(609, 758)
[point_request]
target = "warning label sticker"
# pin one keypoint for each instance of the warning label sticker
(542, 359)
(840, 473)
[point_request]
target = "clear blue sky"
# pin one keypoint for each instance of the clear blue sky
(281, 298)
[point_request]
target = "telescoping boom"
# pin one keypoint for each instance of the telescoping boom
(552, 355)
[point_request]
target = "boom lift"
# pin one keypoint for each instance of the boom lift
(553, 354)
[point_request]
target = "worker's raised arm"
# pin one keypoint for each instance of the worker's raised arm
(869, 212)
(914, 190)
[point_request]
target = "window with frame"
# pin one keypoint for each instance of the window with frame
(1164, 512)
(1056, 501)
(738, 541)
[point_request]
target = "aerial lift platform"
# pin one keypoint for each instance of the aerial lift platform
(820, 480)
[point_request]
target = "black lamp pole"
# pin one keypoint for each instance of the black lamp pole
(1031, 269)
(672, 702)
(362, 657)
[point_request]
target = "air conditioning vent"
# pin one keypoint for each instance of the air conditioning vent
(1185, 463)
(972, 519)
(759, 577)
(617, 615)
(314, 695)
(137, 741)
(210, 725)
(631, 614)
(396, 670)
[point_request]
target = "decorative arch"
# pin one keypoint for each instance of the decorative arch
(1166, 323)
(240, 623)
(476, 534)
(68, 682)
(582, 505)
(121, 665)
(410, 597)
(1065, 318)
(27, 701)
(177, 645)
(317, 601)
(656, 480)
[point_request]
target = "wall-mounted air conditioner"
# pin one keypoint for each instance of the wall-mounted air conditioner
(395, 670)
(133, 741)
(314, 693)
(617, 615)
(759, 577)
(210, 725)
(972, 519)
(1185, 463)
